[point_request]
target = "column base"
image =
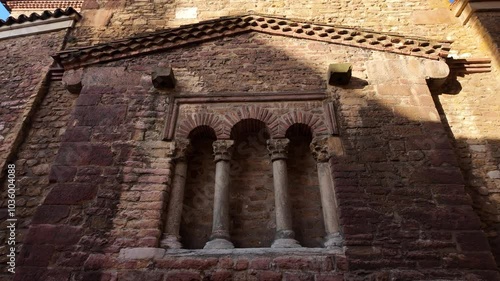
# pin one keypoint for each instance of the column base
(219, 243)
(170, 242)
(285, 243)
(334, 240)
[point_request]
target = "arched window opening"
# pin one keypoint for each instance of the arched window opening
(196, 224)
(303, 189)
(251, 193)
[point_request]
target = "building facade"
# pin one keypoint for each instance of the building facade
(251, 140)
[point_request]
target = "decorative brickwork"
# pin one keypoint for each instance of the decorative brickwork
(213, 29)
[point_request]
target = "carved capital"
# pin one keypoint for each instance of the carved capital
(182, 150)
(324, 147)
(223, 150)
(278, 148)
(320, 149)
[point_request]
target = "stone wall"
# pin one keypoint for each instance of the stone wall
(25, 64)
(403, 208)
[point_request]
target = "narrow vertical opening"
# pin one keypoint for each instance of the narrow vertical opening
(303, 188)
(197, 212)
(251, 196)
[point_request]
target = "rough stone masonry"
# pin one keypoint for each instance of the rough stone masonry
(408, 183)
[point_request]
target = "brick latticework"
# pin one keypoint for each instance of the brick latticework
(401, 181)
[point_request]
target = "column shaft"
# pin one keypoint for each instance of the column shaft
(171, 235)
(322, 152)
(284, 233)
(220, 238)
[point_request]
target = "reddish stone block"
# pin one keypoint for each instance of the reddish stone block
(53, 234)
(29, 273)
(36, 255)
(96, 261)
(260, 263)
(226, 263)
(330, 277)
(341, 263)
(81, 154)
(292, 262)
(299, 277)
(57, 274)
(70, 259)
(241, 264)
(472, 241)
(268, 276)
(76, 134)
(100, 115)
(140, 275)
(49, 214)
(62, 173)
(183, 276)
(88, 99)
(195, 263)
(221, 275)
(70, 194)
(435, 175)
(478, 261)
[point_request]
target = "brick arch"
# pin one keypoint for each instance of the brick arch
(196, 120)
(315, 123)
(255, 112)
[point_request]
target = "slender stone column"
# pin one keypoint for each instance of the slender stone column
(220, 238)
(171, 235)
(322, 153)
(284, 238)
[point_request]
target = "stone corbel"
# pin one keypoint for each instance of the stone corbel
(436, 74)
(72, 80)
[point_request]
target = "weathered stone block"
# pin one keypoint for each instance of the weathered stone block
(339, 73)
(163, 78)
(47, 214)
(141, 253)
(70, 194)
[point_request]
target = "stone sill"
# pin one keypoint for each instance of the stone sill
(159, 253)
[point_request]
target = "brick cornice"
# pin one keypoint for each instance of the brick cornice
(229, 26)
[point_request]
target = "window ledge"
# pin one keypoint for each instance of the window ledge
(159, 253)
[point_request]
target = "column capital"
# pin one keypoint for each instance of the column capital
(182, 149)
(320, 149)
(278, 148)
(223, 150)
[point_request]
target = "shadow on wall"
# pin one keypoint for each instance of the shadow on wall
(473, 155)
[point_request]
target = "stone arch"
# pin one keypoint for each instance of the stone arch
(203, 120)
(315, 123)
(257, 113)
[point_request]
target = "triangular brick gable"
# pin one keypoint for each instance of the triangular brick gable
(226, 26)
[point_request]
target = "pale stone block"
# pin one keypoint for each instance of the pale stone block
(141, 253)
(494, 174)
(437, 16)
(477, 148)
(186, 13)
